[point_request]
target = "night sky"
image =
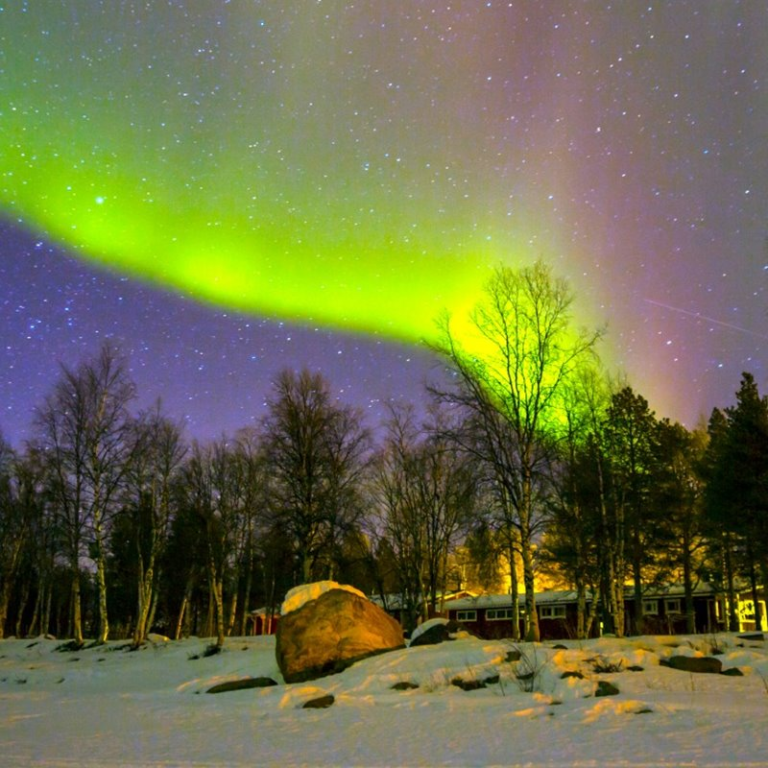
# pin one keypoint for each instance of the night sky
(226, 188)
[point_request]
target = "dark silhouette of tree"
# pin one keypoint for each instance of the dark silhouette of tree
(157, 450)
(316, 450)
(678, 492)
(426, 491)
(83, 429)
(737, 492)
(631, 445)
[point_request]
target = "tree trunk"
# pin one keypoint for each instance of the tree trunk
(690, 612)
(184, 606)
(637, 589)
(581, 609)
(232, 613)
(143, 604)
(247, 592)
(76, 611)
(532, 633)
(217, 589)
(23, 598)
(5, 597)
(733, 607)
(101, 579)
(514, 592)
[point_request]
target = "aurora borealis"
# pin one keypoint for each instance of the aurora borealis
(359, 166)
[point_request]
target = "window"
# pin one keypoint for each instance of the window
(499, 614)
(552, 611)
(650, 607)
(672, 606)
(466, 615)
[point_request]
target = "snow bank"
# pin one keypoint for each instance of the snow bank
(297, 596)
(535, 704)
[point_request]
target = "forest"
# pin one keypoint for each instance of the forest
(531, 462)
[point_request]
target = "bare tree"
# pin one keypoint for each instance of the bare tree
(426, 491)
(315, 450)
(83, 429)
(512, 362)
(14, 529)
(157, 451)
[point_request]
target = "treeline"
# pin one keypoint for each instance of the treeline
(528, 461)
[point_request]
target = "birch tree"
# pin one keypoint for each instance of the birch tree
(157, 452)
(83, 428)
(512, 361)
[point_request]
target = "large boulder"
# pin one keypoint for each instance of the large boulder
(328, 633)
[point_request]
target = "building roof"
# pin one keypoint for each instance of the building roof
(563, 597)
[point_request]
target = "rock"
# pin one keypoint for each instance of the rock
(732, 672)
(572, 673)
(635, 668)
(328, 634)
(514, 655)
(559, 647)
(322, 702)
(405, 685)
(604, 688)
(438, 631)
(704, 665)
(491, 680)
(467, 685)
(242, 685)
(751, 636)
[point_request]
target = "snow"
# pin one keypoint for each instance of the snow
(112, 707)
(297, 596)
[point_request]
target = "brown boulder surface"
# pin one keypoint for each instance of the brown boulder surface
(331, 632)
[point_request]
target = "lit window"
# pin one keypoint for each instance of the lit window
(466, 615)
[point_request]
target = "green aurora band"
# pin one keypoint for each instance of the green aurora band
(278, 161)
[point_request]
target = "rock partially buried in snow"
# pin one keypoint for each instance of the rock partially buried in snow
(242, 684)
(700, 664)
(435, 631)
(330, 631)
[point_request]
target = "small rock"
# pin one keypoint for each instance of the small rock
(492, 680)
(559, 647)
(635, 668)
(242, 685)
(732, 672)
(404, 685)
(751, 636)
(322, 702)
(515, 655)
(572, 673)
(604, 688)
(467, 685)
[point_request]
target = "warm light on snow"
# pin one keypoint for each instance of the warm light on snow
(109, 707)
(297, 596)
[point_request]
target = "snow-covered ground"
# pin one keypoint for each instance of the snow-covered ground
(107, 706)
